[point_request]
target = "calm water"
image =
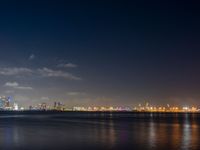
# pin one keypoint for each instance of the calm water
(100, 131)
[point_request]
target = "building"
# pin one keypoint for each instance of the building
(5, 103)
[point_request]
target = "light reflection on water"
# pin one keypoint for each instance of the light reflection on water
(153, 132)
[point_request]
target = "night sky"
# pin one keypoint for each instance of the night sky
(84, 53)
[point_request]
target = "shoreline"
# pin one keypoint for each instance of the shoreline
(88, 112)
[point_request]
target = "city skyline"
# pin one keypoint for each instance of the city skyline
(99, 53)
(7, 104)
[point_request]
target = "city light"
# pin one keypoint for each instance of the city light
(7, 105)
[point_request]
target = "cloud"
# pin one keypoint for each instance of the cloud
(43, 72)
(75, 93)
(9, 91)
(15, 71)
(44, 98)
(46, 72)
(31, 57)
(11, 84)
(15, 85)
(68, 65)
(24, 88)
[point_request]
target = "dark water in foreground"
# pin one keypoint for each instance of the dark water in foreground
(99, 131)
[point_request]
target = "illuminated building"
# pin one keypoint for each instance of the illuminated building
(15, 106)
(4, 103)
(43, 106)
(58, 106)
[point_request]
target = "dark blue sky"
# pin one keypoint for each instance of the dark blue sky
(100, 53)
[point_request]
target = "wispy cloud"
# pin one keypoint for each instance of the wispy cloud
(15, 71)
(16, 85)
(76, 93)
(45, 98)
(46, 72)
(24, 88)
(11, 84)
(31, 57)
(43, 72)
(67, 65)
(9, 91)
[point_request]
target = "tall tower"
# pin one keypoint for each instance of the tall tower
(55, 105)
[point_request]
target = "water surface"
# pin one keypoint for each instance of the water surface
(99, 131)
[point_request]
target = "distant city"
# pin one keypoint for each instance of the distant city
(7, 105)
